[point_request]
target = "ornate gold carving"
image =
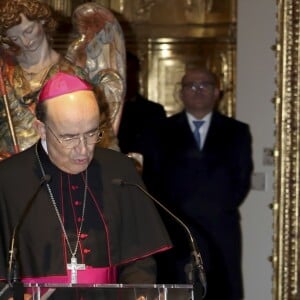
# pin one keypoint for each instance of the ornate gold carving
(64, 7)
(286, 202)
(170, 12)
(200, 32)
(164, 62)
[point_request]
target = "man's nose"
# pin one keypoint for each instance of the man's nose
(83, 146)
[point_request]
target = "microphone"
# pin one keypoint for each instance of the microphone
(13, 274)
(198, 273)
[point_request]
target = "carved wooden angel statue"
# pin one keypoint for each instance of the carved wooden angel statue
(100, 50)
(28, 59)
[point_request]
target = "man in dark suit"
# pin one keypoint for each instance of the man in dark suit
(140, 119)
(206, 172)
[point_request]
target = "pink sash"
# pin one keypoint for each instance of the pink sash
(88, 276)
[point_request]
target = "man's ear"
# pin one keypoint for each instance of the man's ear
(40, 129)
(217, 94)
(178, 92)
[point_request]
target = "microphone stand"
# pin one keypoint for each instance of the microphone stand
(197, 274)
(13, 277)
(14, 280)
(4, 289)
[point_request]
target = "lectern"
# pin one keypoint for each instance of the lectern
(112, 291)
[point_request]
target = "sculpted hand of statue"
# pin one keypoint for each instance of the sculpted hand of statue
(100, 51)
(4, 155)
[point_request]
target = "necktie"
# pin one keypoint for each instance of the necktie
(196, 132)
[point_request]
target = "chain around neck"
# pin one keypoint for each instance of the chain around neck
(72, 252)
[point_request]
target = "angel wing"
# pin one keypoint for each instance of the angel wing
(100, 51)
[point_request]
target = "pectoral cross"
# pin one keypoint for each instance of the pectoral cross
(74, 267)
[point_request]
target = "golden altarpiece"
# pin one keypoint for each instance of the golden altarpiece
(170, 35)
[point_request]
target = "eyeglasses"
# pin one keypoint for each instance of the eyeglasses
(89, 138)
(201, 86)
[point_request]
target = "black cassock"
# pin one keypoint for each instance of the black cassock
(120, 224)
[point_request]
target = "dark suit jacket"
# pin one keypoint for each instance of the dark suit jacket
(205, 189)
(140, 121)
(139, 117)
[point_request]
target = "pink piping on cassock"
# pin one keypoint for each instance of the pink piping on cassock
(105, 227)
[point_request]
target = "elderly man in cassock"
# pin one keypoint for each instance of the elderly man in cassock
(81, 227)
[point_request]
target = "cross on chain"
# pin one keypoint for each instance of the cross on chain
(74, 267)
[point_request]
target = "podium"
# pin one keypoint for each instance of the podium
(111, 291)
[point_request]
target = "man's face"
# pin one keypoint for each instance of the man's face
(75, 115)
(199, 92)
(28, 35)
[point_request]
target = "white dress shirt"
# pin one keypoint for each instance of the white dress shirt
(203, 129)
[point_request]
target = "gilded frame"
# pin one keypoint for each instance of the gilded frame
(286, 237)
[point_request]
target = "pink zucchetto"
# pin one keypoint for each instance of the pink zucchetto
(61, 84)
